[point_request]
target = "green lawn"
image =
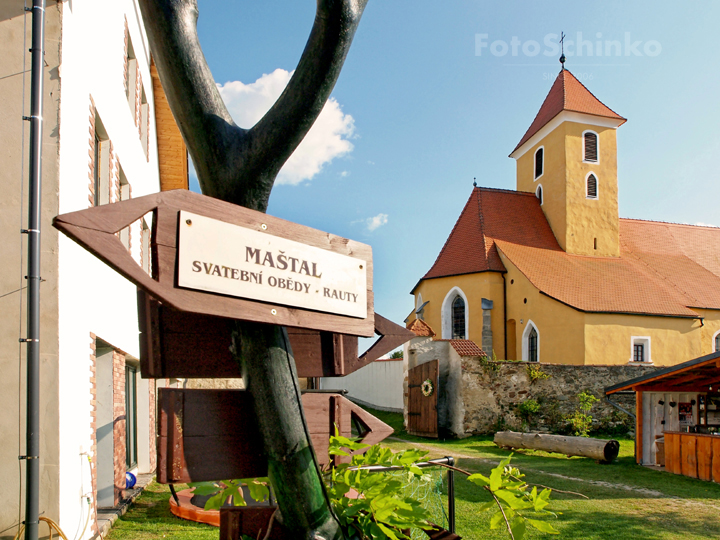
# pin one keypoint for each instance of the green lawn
(626, 501)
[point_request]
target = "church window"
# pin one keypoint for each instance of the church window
(590, 140)
(539, 194)
(458, 318)
(530, 343)
(717, 342)
(592, 187)
(533, 345)
(539, 162)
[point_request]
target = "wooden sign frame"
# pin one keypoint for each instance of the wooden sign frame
(209, 435)
(178, 344)
(95, 229)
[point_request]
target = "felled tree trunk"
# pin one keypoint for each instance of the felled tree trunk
(601, 450)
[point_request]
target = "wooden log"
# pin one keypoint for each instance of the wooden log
(602, 450)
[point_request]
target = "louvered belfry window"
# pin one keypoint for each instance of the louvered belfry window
(591, 149)
(539, 162)
(592, 187)
(458, 318)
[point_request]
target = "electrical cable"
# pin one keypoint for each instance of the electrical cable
(51, 525)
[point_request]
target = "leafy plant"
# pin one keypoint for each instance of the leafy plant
(515, 504)
(371, 505)
(580, 420)
(377, 509)
(527, 411)
(535, 373)
(231, 491)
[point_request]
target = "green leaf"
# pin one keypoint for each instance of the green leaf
(517, 526)
(543, 526)
(497, 520)
(513, 501)
(496, 478)
(487, 506)
(204, 488)
(479, 479)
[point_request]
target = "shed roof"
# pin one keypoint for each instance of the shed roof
(696, 375)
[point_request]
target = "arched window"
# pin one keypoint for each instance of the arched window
(592, 187)
(539, 162)
(539, 194)
(717, 342)
(533, 345)
(458, 318)
(590, 141)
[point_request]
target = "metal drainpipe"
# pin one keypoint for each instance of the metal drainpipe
(32, 449)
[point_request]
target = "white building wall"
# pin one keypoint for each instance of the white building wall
(92, 297)
(378, 385)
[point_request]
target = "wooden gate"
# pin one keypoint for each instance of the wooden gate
(422, 399)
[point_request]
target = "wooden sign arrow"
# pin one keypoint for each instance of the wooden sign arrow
(179, 344)
(207, 435)
(95, 229)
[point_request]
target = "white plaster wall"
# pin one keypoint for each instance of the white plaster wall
(92, 297)
(379, 384)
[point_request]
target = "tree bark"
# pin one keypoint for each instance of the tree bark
(602, 450)
(240, 166)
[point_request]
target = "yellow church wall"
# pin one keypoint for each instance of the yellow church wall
(560, 328)
(475, 287)
(608, 338)
(591, 221)
(552, 179)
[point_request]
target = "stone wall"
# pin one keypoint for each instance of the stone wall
(492, 391)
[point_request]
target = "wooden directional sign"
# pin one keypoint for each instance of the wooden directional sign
(178, 344)
(215, 258)
(207, 435)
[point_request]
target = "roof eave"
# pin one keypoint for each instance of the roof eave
(566, 116)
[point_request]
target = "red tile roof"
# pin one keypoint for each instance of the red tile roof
(421, 328)
(663, 268)
(465, 347)
(490, 214)
(567, 94)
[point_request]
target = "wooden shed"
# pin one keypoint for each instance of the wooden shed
(678, 417)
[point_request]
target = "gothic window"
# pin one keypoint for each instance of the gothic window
(539, 194)
(592, 187)
(717, 343)
(458, 318)
(591, 146)
(539, 162)
(532, 345)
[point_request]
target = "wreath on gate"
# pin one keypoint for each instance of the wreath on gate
(427, 388)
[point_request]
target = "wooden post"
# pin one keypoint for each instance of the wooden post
(638, 427)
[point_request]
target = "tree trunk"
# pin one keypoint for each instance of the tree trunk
(601, 450)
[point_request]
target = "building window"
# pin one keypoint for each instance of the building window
(533, 346)
(539, 194)
(592, 187)
(124, 193)
(590, 141)
(145, 256)
(144, 120)
(531, 343)
(640, 351)
(101, 164)
(131, 70)
(539, 162)
(717, 342)
(130, 416)
(458, 318)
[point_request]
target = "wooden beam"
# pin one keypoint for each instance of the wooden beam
(638, 426)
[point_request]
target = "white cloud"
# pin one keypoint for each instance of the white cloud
(344, 174)
(377, 221)
(326, 140)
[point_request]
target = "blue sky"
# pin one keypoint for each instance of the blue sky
(417, 113)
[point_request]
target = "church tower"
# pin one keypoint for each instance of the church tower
(568, 158)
